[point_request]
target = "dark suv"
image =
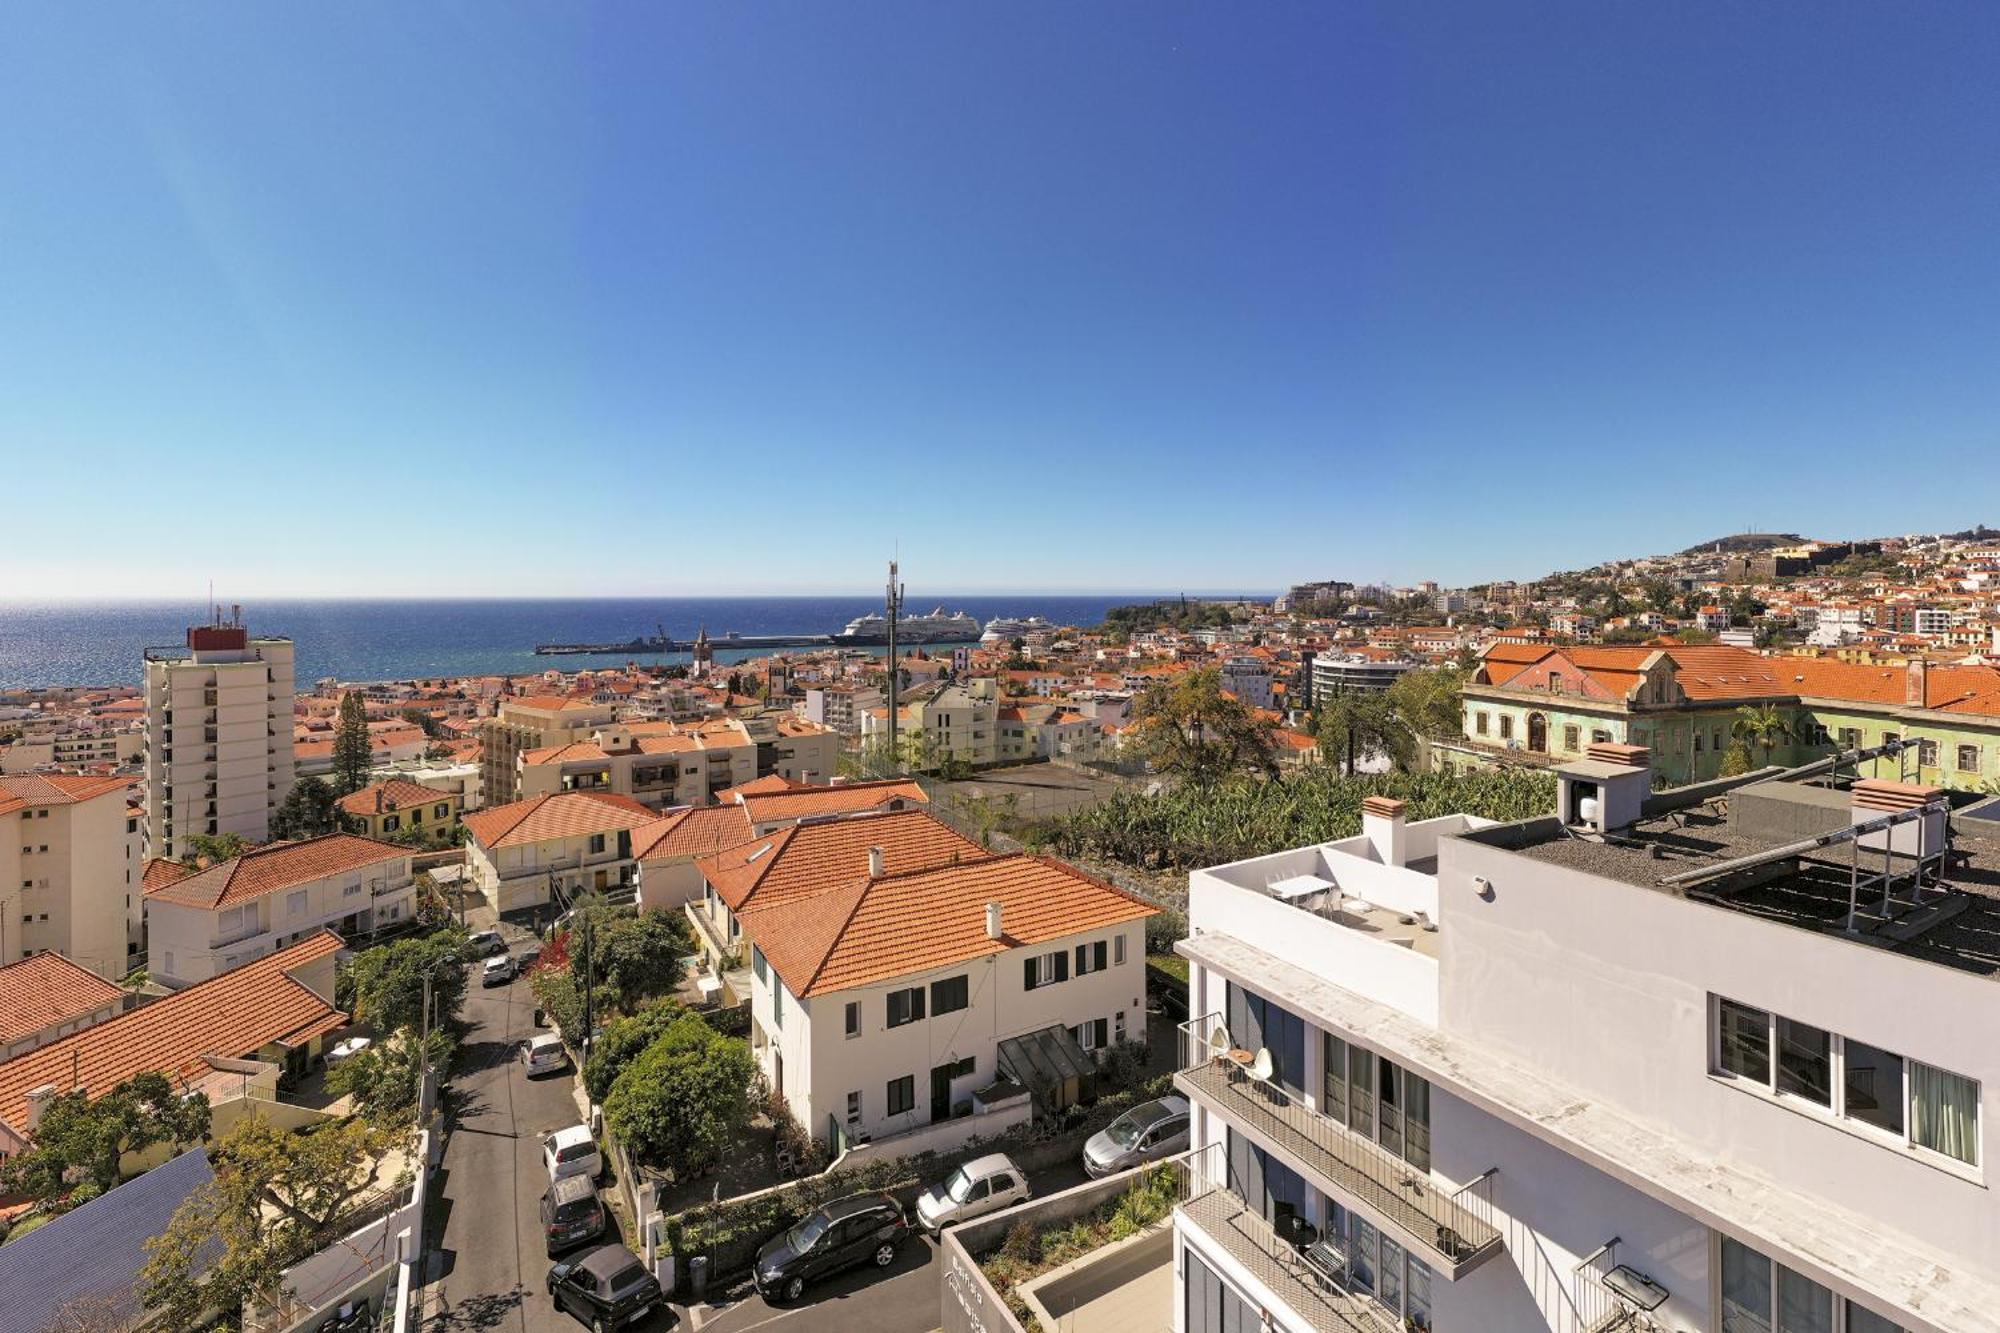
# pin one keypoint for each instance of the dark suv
(863, 1228)
(607, 1288)
(571, 1213)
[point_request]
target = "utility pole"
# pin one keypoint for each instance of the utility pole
(588, 1016)
(893, 607)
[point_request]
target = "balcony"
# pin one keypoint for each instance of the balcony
(1439, 1227)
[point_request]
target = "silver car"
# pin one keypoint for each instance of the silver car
(985, 1185)
(1146, 1133)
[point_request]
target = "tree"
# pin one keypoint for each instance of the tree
(308, 811)
(1191, 727)
(384, 986)
(685, 1099)
(1736, 759)
(1355, 724)
(208, 848)
(636, 956)
(561, 998)
(624, 1040)
(1761, 725)
(430, 725)
(80, 1141)
(1427, 702)
(385, 1078)
(277, 1196)
(351, 747)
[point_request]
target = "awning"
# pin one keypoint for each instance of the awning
(1044, 1059)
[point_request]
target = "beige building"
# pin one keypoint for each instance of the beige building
(397, 805)
(665, 764)
(840, 707)
(68, 870)
(960, 722)
(218, 736)
(578, 841)
(531, 722)
(47, 997)
(251, 906)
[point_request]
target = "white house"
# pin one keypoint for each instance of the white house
(887, 1000)
(253, 905)
(1647, 1064)
(578, 840)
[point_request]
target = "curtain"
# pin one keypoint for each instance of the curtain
(1944, 1112)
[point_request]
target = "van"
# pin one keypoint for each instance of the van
(544, 1054)
(571, 1152)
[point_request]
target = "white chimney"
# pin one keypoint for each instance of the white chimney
(1382, 825)
(38, 1101)
(993, 921)
(874, 863)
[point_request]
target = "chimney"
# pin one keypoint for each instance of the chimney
(1872, 798)
(1916, 679)
(1382, 825)
(874, 863)
(38, 1101)
(993, 922)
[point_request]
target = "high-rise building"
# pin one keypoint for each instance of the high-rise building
(68, 870)
(218, 734)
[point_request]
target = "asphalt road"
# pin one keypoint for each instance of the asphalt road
(490, 1263)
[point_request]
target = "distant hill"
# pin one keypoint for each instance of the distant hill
(1744, 542)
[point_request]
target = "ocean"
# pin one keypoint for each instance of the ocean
(102, 643)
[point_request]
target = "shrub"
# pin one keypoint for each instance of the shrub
(684, 1099)
(622, 1042)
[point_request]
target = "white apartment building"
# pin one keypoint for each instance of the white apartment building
(251, 906)
(1248, 677)
(1339, 673)
(69, 870)
(886, 1001)
(1648, 1065)
(218, 735)
(840, 707)
(664, 764)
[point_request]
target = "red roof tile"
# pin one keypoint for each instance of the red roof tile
(45, 991)
(565, 814)
(275, 866)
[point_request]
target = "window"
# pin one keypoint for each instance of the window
(1927, 754)
(439, 812)
(903, 1094)
(1571, 736)
(596, 843)
(1506, 727)
(1118, 950)
(1968, 758)
(777, 1004)
(758, 966)
(1092, 1035)
(1479, 723)
(1046, 969)
(949, 996)
(1092, 958)
(854, 1108)
(905, 1006)
(1759, 1296)
(1599, 736)
(1697, 742)
(295, 904)
(1891, 737)
(1917, 1105)
(392, 822)
(1850, 738)
(1333, 1064)
(854, 1025)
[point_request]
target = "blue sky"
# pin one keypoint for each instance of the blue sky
(620, 298)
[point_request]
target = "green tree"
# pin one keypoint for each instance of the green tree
(685, 1099)
(277, 1196)
(1355, 724)
(384, 1079)
(351, 750)
(1736, 759)
(81, 1141)
(635, 957)
(384, 986)
(1761, 725)
(1427, 702)
(1190, 727)
(561, 998)
(208, 848)
(308, 811)
(624, 1040)
(430, 725)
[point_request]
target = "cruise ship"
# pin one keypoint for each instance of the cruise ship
(1003, 628)
(940, 626)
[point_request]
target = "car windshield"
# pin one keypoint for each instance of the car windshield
(958, 1186)
(1126, 1129)
(628, 1277)
(807, 1233)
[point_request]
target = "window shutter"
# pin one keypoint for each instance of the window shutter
(1028, 974)
(916, 1003)
(1082, 964)
(1062, 967)
(1101, 949)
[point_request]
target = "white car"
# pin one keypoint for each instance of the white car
(984, 1185)
(571, 1152)
(347, 1050)
(497, 971)
(544, 1054)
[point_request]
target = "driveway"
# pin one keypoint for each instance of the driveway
(904, 1299)
(489, 1264)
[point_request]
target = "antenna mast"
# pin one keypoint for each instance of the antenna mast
(892, 607)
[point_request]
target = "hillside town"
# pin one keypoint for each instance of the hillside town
(1267, 960)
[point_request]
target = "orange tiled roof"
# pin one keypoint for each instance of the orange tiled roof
(862, 931)
(848, 798)
(764, 786)
(690, 832)
(390, 795)
(161, 872)
(58, 788)
(232, 1015)
(567, 814)
(279, 865)
(46, 990)
(806, 858)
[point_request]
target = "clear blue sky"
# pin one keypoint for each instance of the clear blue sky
(689, 297)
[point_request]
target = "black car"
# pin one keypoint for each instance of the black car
(571, 1214)
(863, 1228)
(606, 1288)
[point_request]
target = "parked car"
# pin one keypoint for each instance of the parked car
(1146, 1133)
(606, 1288)
(344, 1051)
(544, 1053)
(485, 943)
(572, 1152)
(984, 1185)
(528, 957)
(571, 1213)
(862, 1228)
(497, 971)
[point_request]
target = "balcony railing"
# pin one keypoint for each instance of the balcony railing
(1432, 1222)
(1231, 1225)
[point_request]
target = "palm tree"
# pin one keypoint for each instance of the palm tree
(1763, 726)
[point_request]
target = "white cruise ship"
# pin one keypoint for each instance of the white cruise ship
(940, 626)
(1002, 628)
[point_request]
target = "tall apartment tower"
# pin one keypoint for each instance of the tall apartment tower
(218, 734)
